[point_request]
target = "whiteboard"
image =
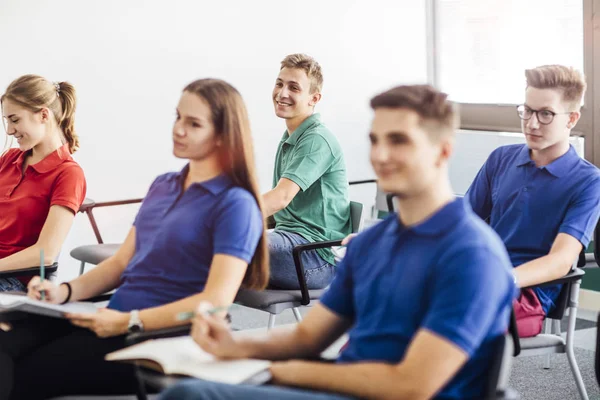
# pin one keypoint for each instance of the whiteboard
(472, 148)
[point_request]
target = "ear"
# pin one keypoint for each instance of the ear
(446, 148)
(573, 119)
(315, 98)
(45, 114)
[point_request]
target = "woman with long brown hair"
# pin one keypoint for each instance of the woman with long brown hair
(198, 235)
(41, 186)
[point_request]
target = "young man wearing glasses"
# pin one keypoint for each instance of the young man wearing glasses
(541, 197)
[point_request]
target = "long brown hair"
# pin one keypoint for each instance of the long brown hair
(34, 92)
(232, 127)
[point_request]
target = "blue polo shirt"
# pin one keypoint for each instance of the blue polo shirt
(177, 235)
(449, 274)
(529, 206)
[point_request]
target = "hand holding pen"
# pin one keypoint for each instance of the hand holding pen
(212, 333)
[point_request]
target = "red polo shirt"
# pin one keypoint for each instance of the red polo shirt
(25, 199)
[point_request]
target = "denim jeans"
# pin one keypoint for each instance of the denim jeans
(317, 272)
(11, 284)
(195, 389)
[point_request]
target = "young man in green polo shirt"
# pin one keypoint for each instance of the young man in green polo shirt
(309, 199)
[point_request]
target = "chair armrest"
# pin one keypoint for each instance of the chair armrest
(90, 204)
(351, 183)
(100, 297)
(88, 207)
(297, 252)
(31, 271)
(175, 331)
(572, 276)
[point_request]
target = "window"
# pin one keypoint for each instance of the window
(483, 47)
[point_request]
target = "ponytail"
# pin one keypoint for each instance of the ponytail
(68, 100)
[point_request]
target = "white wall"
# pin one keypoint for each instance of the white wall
(129, 60)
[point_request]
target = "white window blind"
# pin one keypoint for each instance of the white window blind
(485, 46)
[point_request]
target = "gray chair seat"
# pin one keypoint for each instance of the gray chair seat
(541, 341)
(269, 297)
(94, 253)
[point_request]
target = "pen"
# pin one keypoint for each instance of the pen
(42, 273)
(186, 315)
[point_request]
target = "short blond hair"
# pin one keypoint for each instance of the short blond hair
(437, 114)
(308, 65)
(567, 79)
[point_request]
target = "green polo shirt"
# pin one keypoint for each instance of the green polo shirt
(311, 157)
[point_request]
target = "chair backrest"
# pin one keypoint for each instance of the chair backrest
(501, 363)
(356, 216)
(562, 301)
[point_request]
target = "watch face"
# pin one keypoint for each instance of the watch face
(135, 328)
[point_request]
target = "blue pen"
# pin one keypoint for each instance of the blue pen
(42, 273)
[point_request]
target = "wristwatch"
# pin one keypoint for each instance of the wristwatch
(135, 323)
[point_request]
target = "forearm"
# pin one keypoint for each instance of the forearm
(26, 258)
(362, 380)
(543, 269)
(282, 343)
(166, 316)
(103, 278)
(272, 203)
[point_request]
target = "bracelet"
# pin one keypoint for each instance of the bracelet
(70, 290)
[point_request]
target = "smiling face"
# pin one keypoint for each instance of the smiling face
(291, 95)
(545, 136)
(27, 127)
(194, 134)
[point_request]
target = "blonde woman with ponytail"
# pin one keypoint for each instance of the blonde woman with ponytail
(41, 186)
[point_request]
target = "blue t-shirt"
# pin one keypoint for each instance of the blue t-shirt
(449, 274)
(529, 206)
(177, 235)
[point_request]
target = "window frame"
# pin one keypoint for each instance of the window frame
(503, 117)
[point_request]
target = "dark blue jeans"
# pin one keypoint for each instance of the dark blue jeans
(195, 389)
(317, 272)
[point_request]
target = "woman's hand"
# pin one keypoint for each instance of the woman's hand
(104, 323)
(54, 294)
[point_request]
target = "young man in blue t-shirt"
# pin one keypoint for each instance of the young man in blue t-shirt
(541, 197)
(425, 295)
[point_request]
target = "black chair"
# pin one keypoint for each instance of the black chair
(553, 343)
(274, 301)
(507, 347)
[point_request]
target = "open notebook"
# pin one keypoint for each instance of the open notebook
(181, 356)
(20, 302)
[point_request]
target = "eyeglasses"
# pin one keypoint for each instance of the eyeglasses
(544, 117)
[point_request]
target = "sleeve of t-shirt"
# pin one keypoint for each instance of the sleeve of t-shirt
(311, 157)
(338, 298)
(238, 226)
(69, 188)
(479, 193)
(582, 214)
(468, 292)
